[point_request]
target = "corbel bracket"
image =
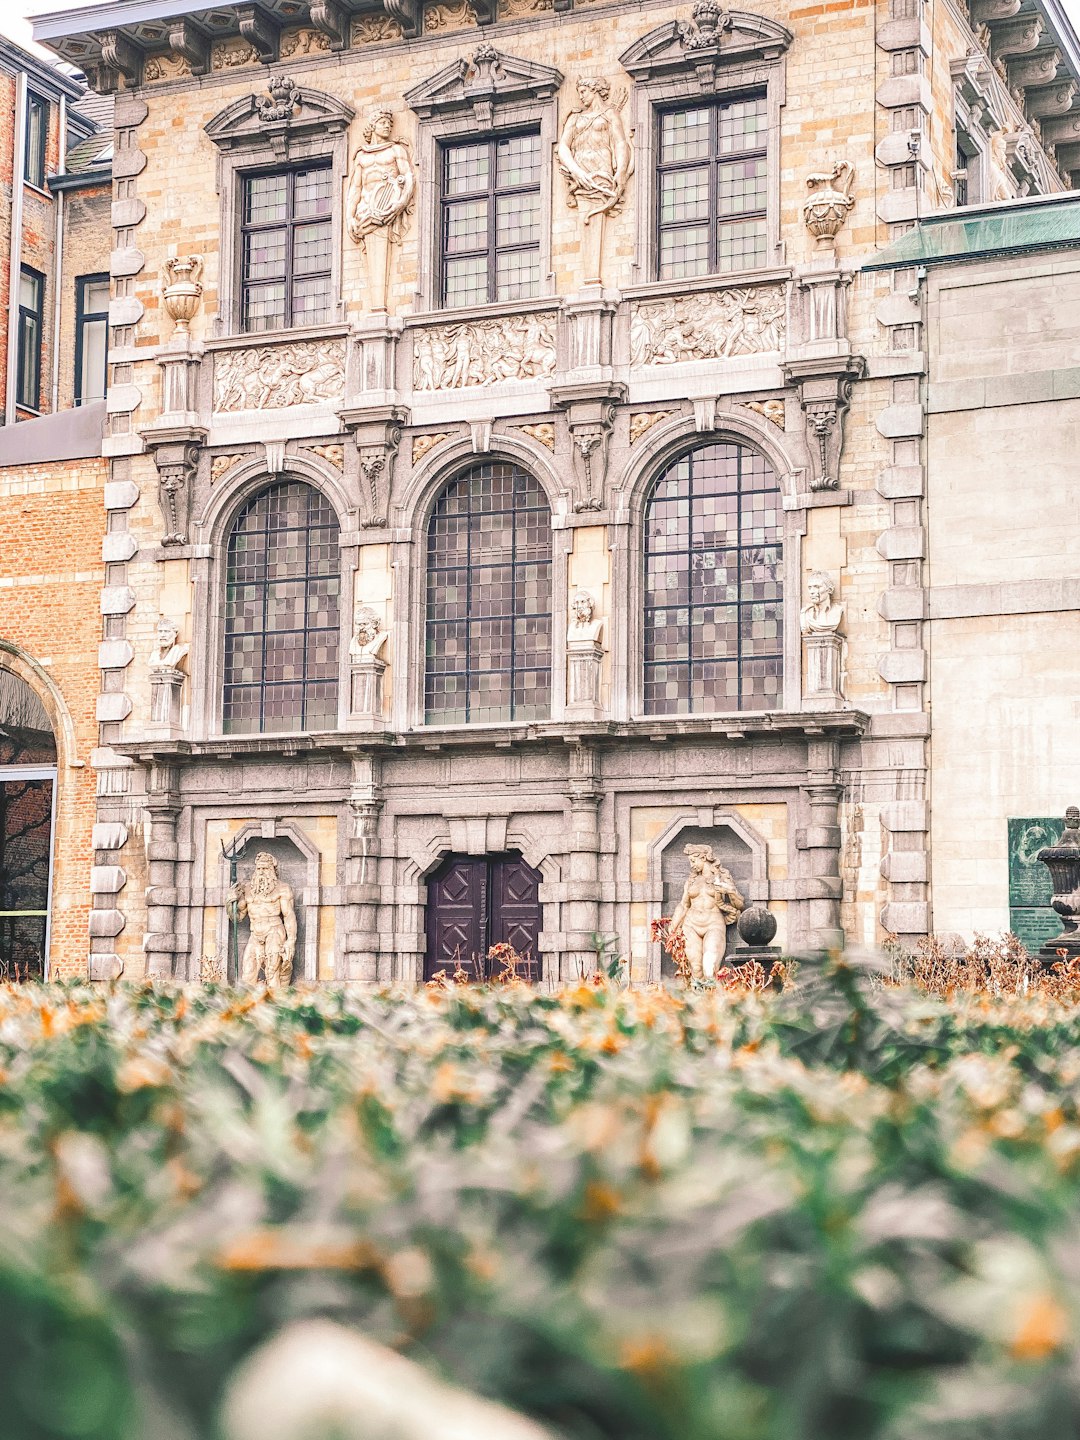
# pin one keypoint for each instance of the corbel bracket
(824, 388)
(377, 435)
(176, 456)
(590, 414)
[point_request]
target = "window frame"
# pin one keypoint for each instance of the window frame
(664, 83)
(492, 249)
(556, 657)
(35, 173)
(249, 497)
(246, 143)
(83, 317)
(26, 318)
(290, 225)
(686, 453)
(714, 161)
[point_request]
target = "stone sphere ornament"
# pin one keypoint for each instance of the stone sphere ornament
(830, 201)
(757, 927)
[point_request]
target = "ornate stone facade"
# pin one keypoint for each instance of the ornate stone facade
(544, 426)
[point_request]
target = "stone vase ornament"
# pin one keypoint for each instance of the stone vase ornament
(181, 290)
(1063, 862)
(830, 201)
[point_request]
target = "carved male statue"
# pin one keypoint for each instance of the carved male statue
(821, 616)
(368, 634)
(582, 625)
(167, 654)
(594, 150)
(382, 182)
(267, 904)
(710, 903)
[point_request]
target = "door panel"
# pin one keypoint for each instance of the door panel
(475, 902)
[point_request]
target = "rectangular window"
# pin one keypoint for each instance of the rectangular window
(712, 188)
(286, 237)
(28, 375)
(967, 177)
(907, 62)
(37, 132)
(91, 337)
(904, 177)
(907, 117)
(490, 224)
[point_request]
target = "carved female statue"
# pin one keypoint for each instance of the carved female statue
(380, 195)
(710, 903)
(597, 160)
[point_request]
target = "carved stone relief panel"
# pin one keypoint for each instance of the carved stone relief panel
(303, 42)
(332, 454)
(484, 352)
(515, 9)
(716, 326)
(371, 29)
(231, 54)
(165, 67)
(449, 15)
(271, 377)
(221, 465)
(423, 443)
(644, 420)
(543, 433)
(768, 410)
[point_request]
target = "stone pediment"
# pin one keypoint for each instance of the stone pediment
(712, 37)
(485, 79)
(261, 117)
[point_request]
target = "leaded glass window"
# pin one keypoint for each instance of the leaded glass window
(491, 220)
(489, 599)
(282, 613)
(286, 248)
(712, 188)
(713, 584)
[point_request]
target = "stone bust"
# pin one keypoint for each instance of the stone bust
(583, 627)
(167, 654)
(821, 616)
(368, 635)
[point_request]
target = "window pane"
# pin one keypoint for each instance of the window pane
(684, 195)
(713, 622)
(743, 125)
(742, 245)
(311, 248)
(264, 307)
(466, 280)
(95, 297)
(266, 199)
(467, 168)
(91, 384)
(742, 186)
(518, 161)
(466, 226)
(282, 613)
(684, 252)
(517, 219)
(488, 636)
(264, 254)
(312, 194)
(518, 275)
(29, 290)
(684, 135)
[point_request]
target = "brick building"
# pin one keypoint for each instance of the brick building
(55, 198)
(517, 470)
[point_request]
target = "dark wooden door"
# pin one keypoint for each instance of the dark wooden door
(475, 902)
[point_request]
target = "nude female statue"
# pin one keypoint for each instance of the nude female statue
(710, 903)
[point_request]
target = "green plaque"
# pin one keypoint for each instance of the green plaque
(1030, 916)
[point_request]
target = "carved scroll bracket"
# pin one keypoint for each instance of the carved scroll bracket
(176, 456)
(825, 396)
(590, 413)
(377, 435)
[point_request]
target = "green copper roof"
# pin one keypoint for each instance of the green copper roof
(969, 235)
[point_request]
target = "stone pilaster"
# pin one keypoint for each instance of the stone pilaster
(819, 841)
(161, 943)
(581, 908)
(359, 947)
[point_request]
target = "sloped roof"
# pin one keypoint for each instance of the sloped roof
(1011, 227)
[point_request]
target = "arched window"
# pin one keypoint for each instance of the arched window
(27, 787)
(713, 586)
(282, 613)
(489, 599)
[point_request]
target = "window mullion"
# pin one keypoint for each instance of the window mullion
(493, 201)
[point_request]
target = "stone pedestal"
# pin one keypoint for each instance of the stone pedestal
(166, 693)
(821, 682)
(584, 662)
(366, 693)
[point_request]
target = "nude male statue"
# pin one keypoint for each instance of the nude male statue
(267, 904)
(710, 903)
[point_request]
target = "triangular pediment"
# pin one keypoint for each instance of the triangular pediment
(486, 77)
(711, 37)
(254, 118)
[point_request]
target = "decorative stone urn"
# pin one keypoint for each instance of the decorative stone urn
(757, 927)
(1063, 862)
(830, 201)
(180, 289)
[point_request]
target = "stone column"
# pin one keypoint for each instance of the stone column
(360, 944)
(821, 842)
(161, 943)
(581, 907)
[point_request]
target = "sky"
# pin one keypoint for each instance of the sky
(15, 25)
